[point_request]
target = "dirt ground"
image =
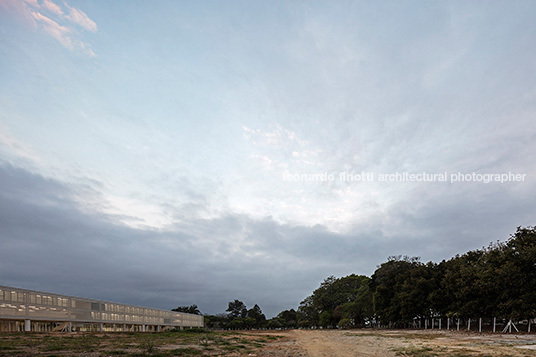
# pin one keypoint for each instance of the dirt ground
(299, 343)
(316, 343)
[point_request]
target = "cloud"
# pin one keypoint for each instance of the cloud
(210, 261)
(80, 18)
(50, 17)
(203, 261)
(10, 146)
(20, 9)
(277, 136)
(137, 213)
(50, 6)
(60, 33)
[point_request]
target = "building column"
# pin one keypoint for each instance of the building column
(142, 328)
(27, 325)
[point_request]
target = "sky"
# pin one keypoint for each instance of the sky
(169, 153)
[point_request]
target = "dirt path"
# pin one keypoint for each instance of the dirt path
(334, 343)
(326, 343)
(390, 343)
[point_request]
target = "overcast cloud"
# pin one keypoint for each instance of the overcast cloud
(165, 153)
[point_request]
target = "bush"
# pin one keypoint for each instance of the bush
(345, 323)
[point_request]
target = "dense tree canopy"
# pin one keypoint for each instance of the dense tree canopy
(344, 298)
(499, 280)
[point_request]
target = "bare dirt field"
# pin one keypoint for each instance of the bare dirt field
(316, 343)
(300, 343)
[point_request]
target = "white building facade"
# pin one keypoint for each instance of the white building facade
(36, 311)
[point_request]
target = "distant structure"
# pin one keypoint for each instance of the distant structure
(37, 311)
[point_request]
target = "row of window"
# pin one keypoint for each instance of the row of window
(41, 303)
(49, 300)
(126, 318)
(6, 295)
(10, 309)
(133, 310)
(55, 312)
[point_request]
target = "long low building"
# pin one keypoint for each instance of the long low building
(29, 310)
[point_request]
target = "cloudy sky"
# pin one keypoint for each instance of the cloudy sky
(167, 153)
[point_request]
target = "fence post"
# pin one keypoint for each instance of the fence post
(494, 319)
(469, 324)
(458, 324)
(479, 324)
(448, 323)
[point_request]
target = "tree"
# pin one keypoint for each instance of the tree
(345, 323)
(325, 306)
(192, 309)
(237, 309)
(219, 321)
(307, 315)
(256, 314)
(392, 290)
(250, 322)
(237, 323)
(289, 317)
(275, 322)
(325, 319)
(518, 274)
(359, 311)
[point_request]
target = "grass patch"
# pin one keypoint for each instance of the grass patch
(422, 336)
(7, 348)
(234, 347)
(413, 351)
(54, 346)
(187, 351)
(261, 340)
(273, 338)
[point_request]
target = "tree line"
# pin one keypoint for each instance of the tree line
(495, 281)
(237, 316)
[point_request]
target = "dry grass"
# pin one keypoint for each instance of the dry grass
(174, 343)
